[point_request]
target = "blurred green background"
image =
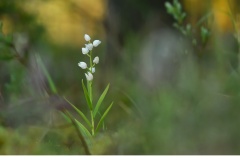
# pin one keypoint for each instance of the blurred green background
(170, 97)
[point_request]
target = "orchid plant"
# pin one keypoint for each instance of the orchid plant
(90, 127)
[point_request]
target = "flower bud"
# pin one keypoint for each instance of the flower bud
(89, 76)
(89, 46)
(85, 51)
(83, 65)
(93, 70)
(96, 60)
(96, 43)
(87, 37)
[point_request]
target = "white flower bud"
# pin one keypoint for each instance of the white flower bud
(96, 60)
(85, 51)
(96, 43)
(87, 37)
(89, 46)
(93, 70)
(83, 65)
(89, 76)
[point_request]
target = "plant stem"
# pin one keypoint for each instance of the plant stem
(90, 95)
(92, 119)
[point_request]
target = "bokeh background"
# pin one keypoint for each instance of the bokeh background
(165, 101)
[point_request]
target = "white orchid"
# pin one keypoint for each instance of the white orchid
(87, 37)
(96, 60)
(89, 76)
(88, 91)
(85, 51)
(83, 65)
(89, 46)
(96, 43)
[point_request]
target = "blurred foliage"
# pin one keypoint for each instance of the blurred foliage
(167, 101)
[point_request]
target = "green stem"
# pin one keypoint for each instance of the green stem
(92, 119)
(90, 94)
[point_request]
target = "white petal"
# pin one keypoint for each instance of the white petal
(87, 37)
(83, 65)
(89, 46)
(96, 43)
(96, 60)
(89, 76)
(93, 70)
(85, 51)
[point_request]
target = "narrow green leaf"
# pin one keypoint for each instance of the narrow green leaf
(103, 117)
(99, 102)
(86, 96)
(83, 129)
(66, 117)
(49, 79)
(80, 113)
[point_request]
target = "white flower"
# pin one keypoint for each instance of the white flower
(89, 46)
(96, 43)
(89, 76)
(87, 37)
(85, 51)
(96, 60)
(93, 70)
(83, 65)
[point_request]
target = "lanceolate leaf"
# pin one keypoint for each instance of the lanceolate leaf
(80, 113)
(66, 117)
(103, 116)
(99, 102)
(83, 129)
(49, 79)
(86, 96)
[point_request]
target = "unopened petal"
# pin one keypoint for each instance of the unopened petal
(96, 60)
(87, 37)
(83, 65)
(96, 43)
(89, 46)
(85, 51)
(89, 76)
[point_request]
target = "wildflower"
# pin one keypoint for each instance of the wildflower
(85, 51)
(89, 46)
(96, 60)
(87, 37)
(96, 43)
(89, 76)
(83, 65)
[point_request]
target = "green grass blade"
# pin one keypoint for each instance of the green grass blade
(83, 129)
(99, 102)
(49, 79)
(86, 96)
(103, 116)
(80, 113)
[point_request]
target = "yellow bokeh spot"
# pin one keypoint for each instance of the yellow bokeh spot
(67, 21)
